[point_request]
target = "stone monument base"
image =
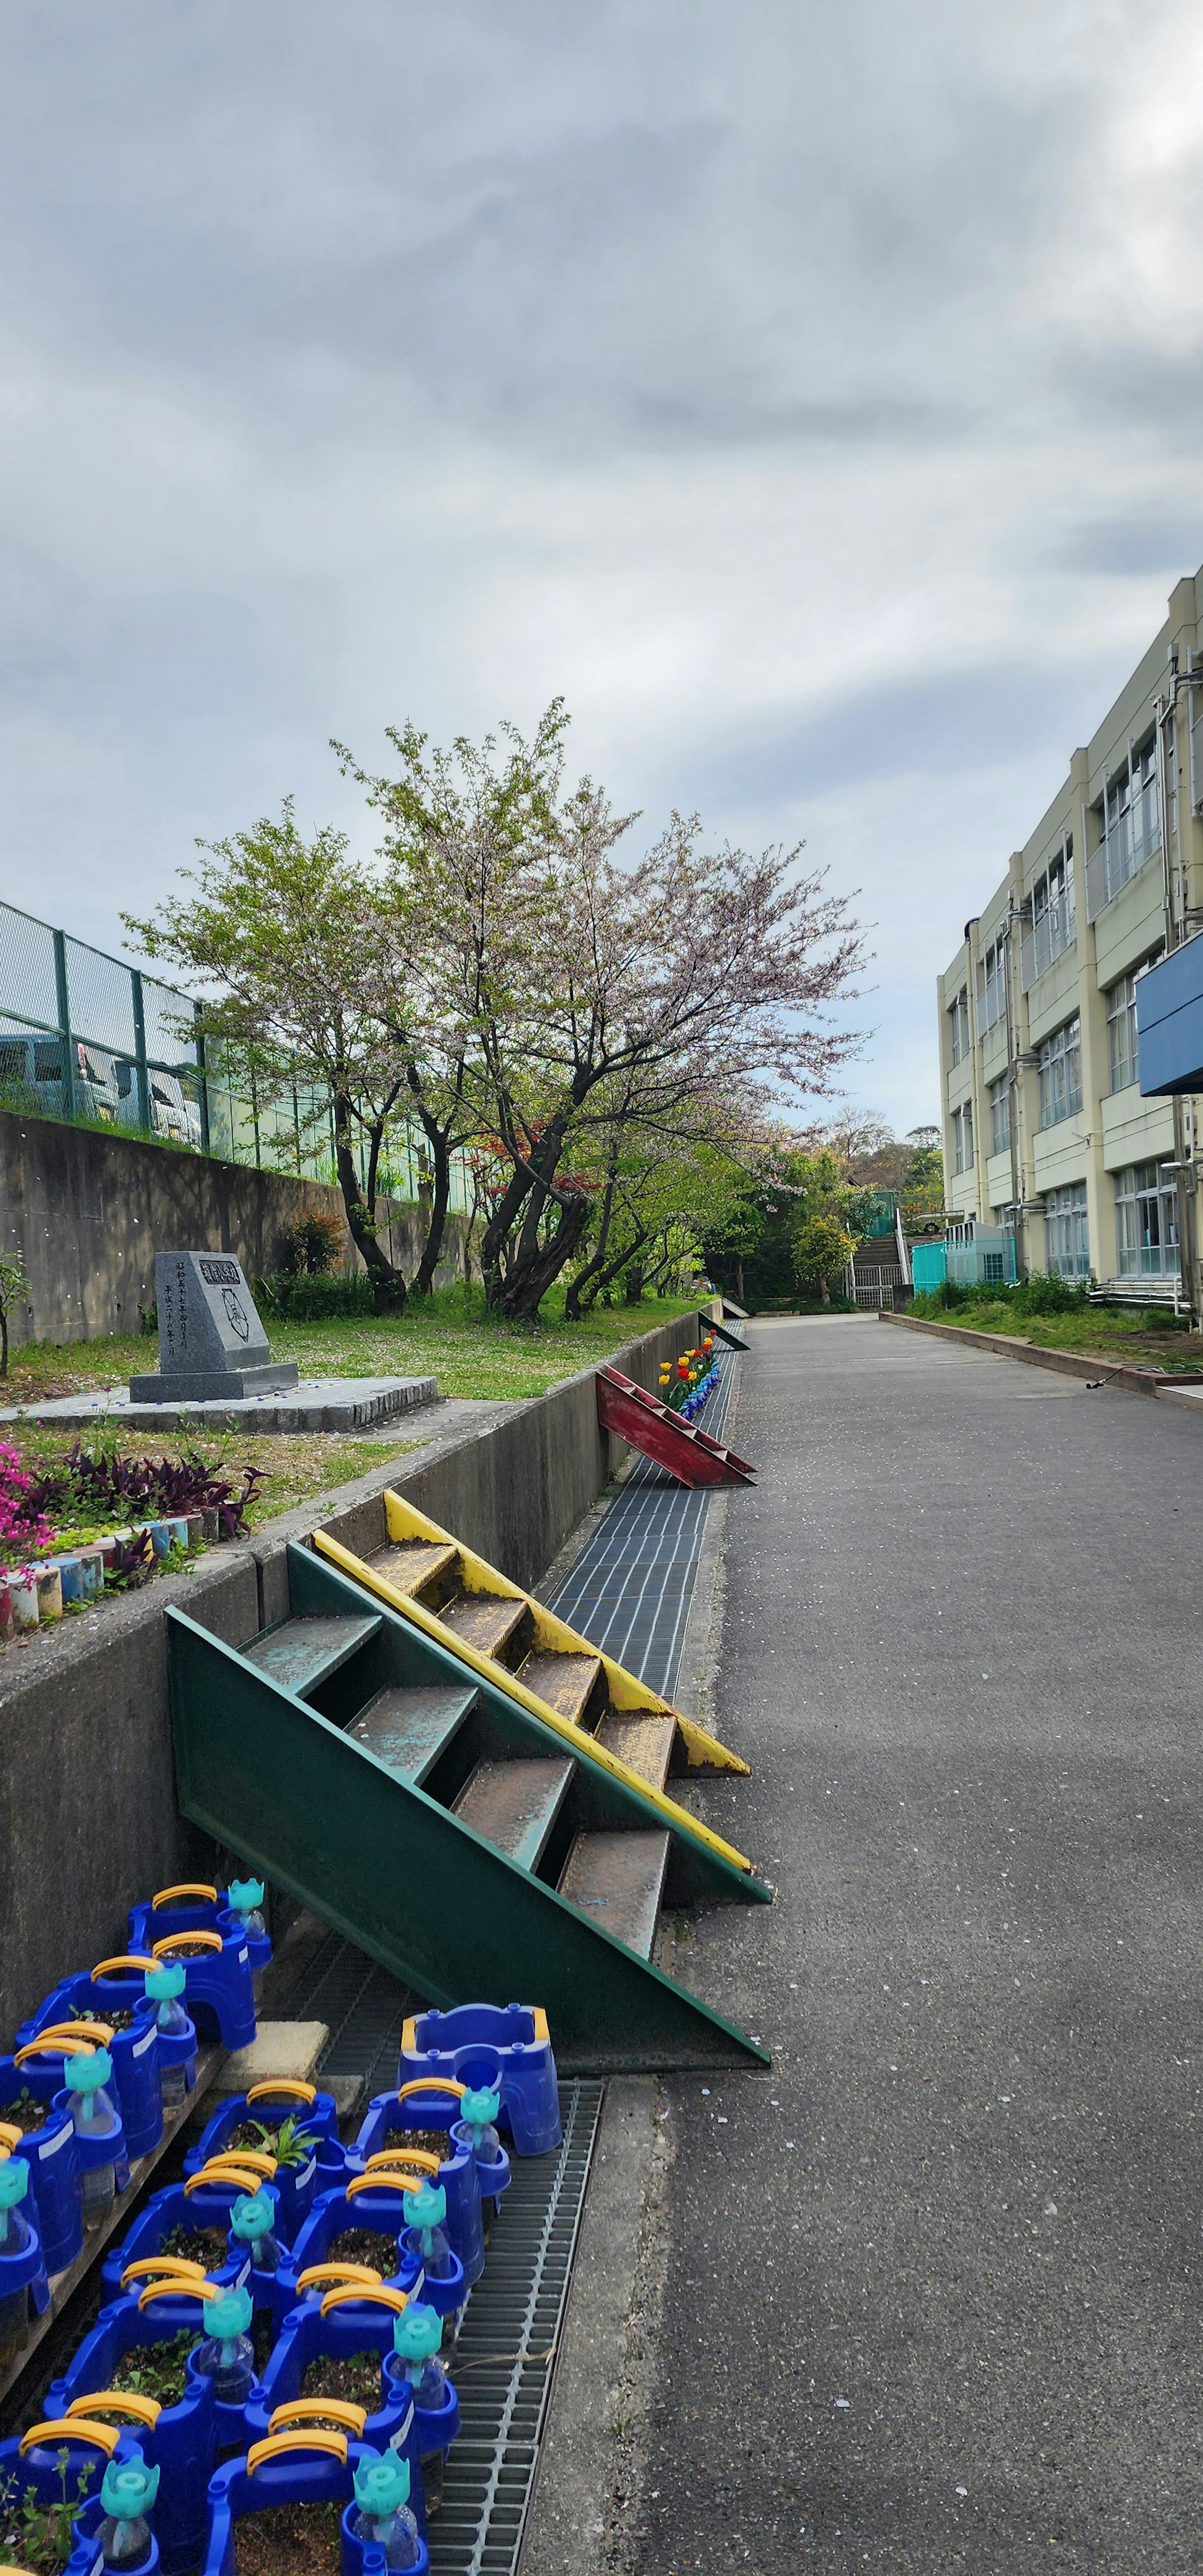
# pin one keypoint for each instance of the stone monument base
(213, 1386)
(316, 1404)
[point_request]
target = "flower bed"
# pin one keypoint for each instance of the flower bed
(100, 1523)
(686, 1382)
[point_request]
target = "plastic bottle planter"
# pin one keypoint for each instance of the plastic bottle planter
(414, 2364)
(444, 2288)
(99, 2136)
(63, 2461)
(218, 1991)
(333, 2320)
(379, 2521)
(54, 2166)
(430, 2104)
(291, 2468)
(204, 2201)
(474, 2129)
(180, 2440)
(273, 2103)
(22, 2268)
(243, 1915)
(487, 2044)
(134, 2053)
(379, 2210)
(196, 1906)
(175, 2033)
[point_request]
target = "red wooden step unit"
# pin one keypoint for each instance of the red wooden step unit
(660, 1433)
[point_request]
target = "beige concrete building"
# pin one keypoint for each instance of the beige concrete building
(1045, 1130)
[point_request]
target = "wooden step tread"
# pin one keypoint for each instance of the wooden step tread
(303, 1652)
(415, 1562)
(408, 1729)
(483, 1620)
(564, 1681)
(618, 1879)
(514, 1804)
(644, 1743)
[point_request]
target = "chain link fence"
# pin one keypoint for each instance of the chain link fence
(87, 1038)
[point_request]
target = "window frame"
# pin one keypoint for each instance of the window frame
(1058, 1092)
(1067, 1231)
(1140, 1257)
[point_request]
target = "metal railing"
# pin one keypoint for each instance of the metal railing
(89, 1039)
(1049, 937)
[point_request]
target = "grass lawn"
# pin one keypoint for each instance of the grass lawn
(1144, 1335)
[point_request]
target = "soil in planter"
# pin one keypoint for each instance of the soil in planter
(264, 2137)
(111, 2020)
(25, 2113)
(289, 2540)
(363, 2245)
(205, 2245)
(39, 2536)
(155, 2369)
(435, 2141)
(191, 1950)
(355, 2377)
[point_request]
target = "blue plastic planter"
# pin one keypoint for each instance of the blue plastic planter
(22, 2262)
(40, 2470)
(53, 2173)
(492, 2172)
(217, 1991)
(183, 2441)
(385, 2123)
(135, 2054)
(295, 2185)
(435, 2427)
(208, 2206)
(99, 2146)
(333, 2213)
(300, 2476)
(359, 2325)
(195, 1909)
(508, 2046)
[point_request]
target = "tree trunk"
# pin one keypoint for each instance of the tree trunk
(825, 1289)
(592, 1268)
(529, 1280)
(436, 1221)
(360, 1218)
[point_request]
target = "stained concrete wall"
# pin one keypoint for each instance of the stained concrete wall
(88, 1818)
(87, 1212)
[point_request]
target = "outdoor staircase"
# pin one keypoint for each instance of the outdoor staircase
(689, 1454)
(465, 1832)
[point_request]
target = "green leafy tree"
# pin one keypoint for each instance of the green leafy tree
(14, 1289)
(822, 1246)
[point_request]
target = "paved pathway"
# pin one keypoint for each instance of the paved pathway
(934, 2287)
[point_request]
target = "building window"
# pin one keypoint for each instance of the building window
(1122, 1053)
(962, 1138)
(1146, 1215)
(1060, 1074)
(1129, 828)
(992, 984)
(1067, 1232)
(1000, 1115)
(959, 1016)
(1054, 920)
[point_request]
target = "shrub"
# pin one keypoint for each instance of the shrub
(304, 1299)
(313, 1246)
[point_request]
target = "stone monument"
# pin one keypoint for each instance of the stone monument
(211, 1342)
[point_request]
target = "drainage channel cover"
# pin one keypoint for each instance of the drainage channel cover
(503, 2359)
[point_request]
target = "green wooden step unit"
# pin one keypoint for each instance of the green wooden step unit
(457, 1829)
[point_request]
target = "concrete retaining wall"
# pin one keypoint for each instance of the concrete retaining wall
(87, 1212)
(88, 1817)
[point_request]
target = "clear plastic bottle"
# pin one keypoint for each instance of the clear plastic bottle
(128, 2490)
(16, 2237)
(165, 1984)
(425, 2209)
(477, 2112)
(383, 2515)
(416, 2339)
(246, 1899)
(85, 2077)
(251, 2222)
(228, 2356)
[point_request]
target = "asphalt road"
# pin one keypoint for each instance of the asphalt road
(933, 2287)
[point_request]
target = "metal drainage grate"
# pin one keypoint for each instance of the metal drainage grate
(503, 2359)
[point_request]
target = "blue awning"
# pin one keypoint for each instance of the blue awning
(1169, 1022)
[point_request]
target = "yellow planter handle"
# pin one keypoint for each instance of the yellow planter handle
(128, 1959)
(244, 2159)
(339, 2272)
(382, 2297)
(277, 2444)
(197, 1887)
(293, 2086)
(164, 2267)
(61, 2048)
(419, 2156)
(71, 2428)
(166, 1949)
(9, 2135)
(383, 2182)
(431, 2084)
(235, 2178)
(201, 2290)
(99, 2032)
(306, 2410)
(116, 2401)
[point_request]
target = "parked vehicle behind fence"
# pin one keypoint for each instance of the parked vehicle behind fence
(105, 1087)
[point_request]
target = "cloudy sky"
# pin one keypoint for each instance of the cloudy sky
(811, 395)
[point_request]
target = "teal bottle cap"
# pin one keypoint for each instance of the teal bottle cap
(228, 2315)
(168, 1979)
(14, 2181)
(246, 1894)
(251, 2217)
(128, 2487)
(86, 2074)
(480, 2109)
(417, 2332)
(425, 2207)
(382, 2484)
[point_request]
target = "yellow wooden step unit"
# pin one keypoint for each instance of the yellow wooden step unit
(426, 1569)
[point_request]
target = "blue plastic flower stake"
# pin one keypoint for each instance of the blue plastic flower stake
(477, 2113)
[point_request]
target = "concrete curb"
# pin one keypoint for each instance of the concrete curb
(1005, 1346)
